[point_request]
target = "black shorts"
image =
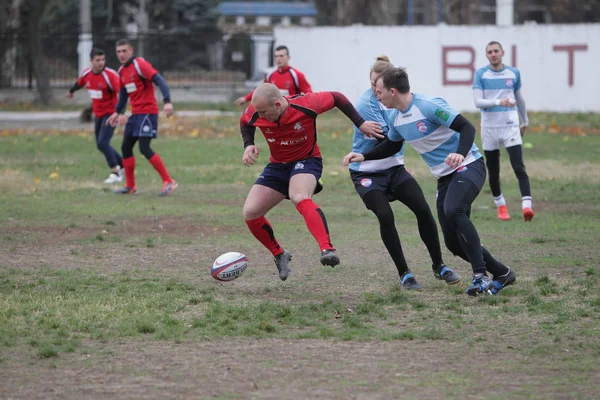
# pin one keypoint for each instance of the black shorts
(386, 181)
(277, 175)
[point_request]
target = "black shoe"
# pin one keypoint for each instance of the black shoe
(281, 261)
(482, 284)
(444, 273)
(502, 281)
(409, 282)
(329, 257)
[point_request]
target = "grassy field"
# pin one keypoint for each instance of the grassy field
(111, 296)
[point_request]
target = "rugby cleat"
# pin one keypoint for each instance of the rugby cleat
(528, 214)
(482, 284)
(114, 178)
(281, 261)
(444, 273)
(503, 213)
(168, 187)
(409, 282)
(329, 257)
(126, 190)
(502, 281)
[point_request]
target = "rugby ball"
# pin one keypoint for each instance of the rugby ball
(229, 266)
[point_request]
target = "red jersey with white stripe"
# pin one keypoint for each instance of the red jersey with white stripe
(103, 88)
(136, 77)
(289, 80)
(294, 136)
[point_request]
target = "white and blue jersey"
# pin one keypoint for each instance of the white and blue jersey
(497, 85)
(372, 110)
(425, 125)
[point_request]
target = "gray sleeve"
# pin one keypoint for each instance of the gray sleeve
(521, 107)
(480, 102)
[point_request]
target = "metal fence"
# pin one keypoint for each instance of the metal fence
(185, 60)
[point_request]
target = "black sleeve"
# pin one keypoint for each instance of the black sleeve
(123, 96)
(74, 88)
(467, 134)
(342, 102)
(386, 148)
(164, 89)
(248, 132)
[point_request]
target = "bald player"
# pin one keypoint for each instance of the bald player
(295, 164)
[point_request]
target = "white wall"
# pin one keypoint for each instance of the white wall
(339, 58)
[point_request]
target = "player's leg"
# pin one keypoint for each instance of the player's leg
(410, 194)
(113, 159)
(268, 191)
(129, 140)
(515, 154)
(491, 149)
(303, 181)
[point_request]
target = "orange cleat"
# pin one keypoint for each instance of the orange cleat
(503, 213)
(528, 214)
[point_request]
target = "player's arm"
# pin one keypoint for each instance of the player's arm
(389, 146)
(340, 101)
(76, 86)
(159, 81)
(303, 84)
(522, 109)
(250, 150)
(466, 131)
(120, 108)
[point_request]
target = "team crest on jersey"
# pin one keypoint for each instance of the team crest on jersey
(298, 126)
(269, 131)
(509, 83)
(461, 169)
(299, 165)
(422, 127)
(366, 182)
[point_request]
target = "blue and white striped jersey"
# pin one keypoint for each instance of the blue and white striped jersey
(496, 85)
(425, 125)
(372, 110)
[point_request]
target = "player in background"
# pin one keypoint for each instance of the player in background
(445, 140)
(138, 78)
(289, 80)
(378, 182)
(496, 91)
(295, 163)
(102, 84)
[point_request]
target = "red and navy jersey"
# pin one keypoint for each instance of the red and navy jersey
(294, 136)
(136, 77)
(289, 80)
(103, 88)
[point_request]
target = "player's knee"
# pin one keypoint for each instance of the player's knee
(384, 214)
(298, 197)
(249, 213)
(454, 213)
(520, 171)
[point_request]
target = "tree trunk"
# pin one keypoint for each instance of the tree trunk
(8, 50)
(36, 10)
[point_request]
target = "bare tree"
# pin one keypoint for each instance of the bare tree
(9, 25)
(34, 12)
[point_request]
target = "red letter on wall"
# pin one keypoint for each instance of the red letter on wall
(446, 65)
(571, 49)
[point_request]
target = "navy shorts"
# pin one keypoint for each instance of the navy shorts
(277, 175)
(142, 125)
(386, 181)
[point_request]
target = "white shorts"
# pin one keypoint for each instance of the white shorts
(491, 138)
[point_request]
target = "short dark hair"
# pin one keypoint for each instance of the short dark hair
(287, 51)
(396, 78)
(96, 51)
(123, 42)
(494, 42)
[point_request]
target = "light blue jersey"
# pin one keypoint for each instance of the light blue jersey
(497, 85)
(425, 125)
(372, 110)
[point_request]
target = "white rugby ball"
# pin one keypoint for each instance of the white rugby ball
(229, 266)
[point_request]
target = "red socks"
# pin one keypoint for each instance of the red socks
(262, 230)
(158, 165)
(315, 222)
(129, 165)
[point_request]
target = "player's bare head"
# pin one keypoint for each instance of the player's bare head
(124, 50)
(494, 52)
(281, 56)
(390, 85)
(98, 59)
(268, 101)
(382, 64)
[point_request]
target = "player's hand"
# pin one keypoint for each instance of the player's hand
(454, 160)
(69, 95)
(523, 130)
(508, 102)
(240, 100)
(122, 120)
(112, 120)
(250, 155)
(352, 157)
(168, 109)
(372, 129)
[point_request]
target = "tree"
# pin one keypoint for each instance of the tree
(9, 26)
(34, 10)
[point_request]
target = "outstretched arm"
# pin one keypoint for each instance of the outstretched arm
(369, 128)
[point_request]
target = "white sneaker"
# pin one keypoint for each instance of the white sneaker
(120, 171)
(113, 178)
